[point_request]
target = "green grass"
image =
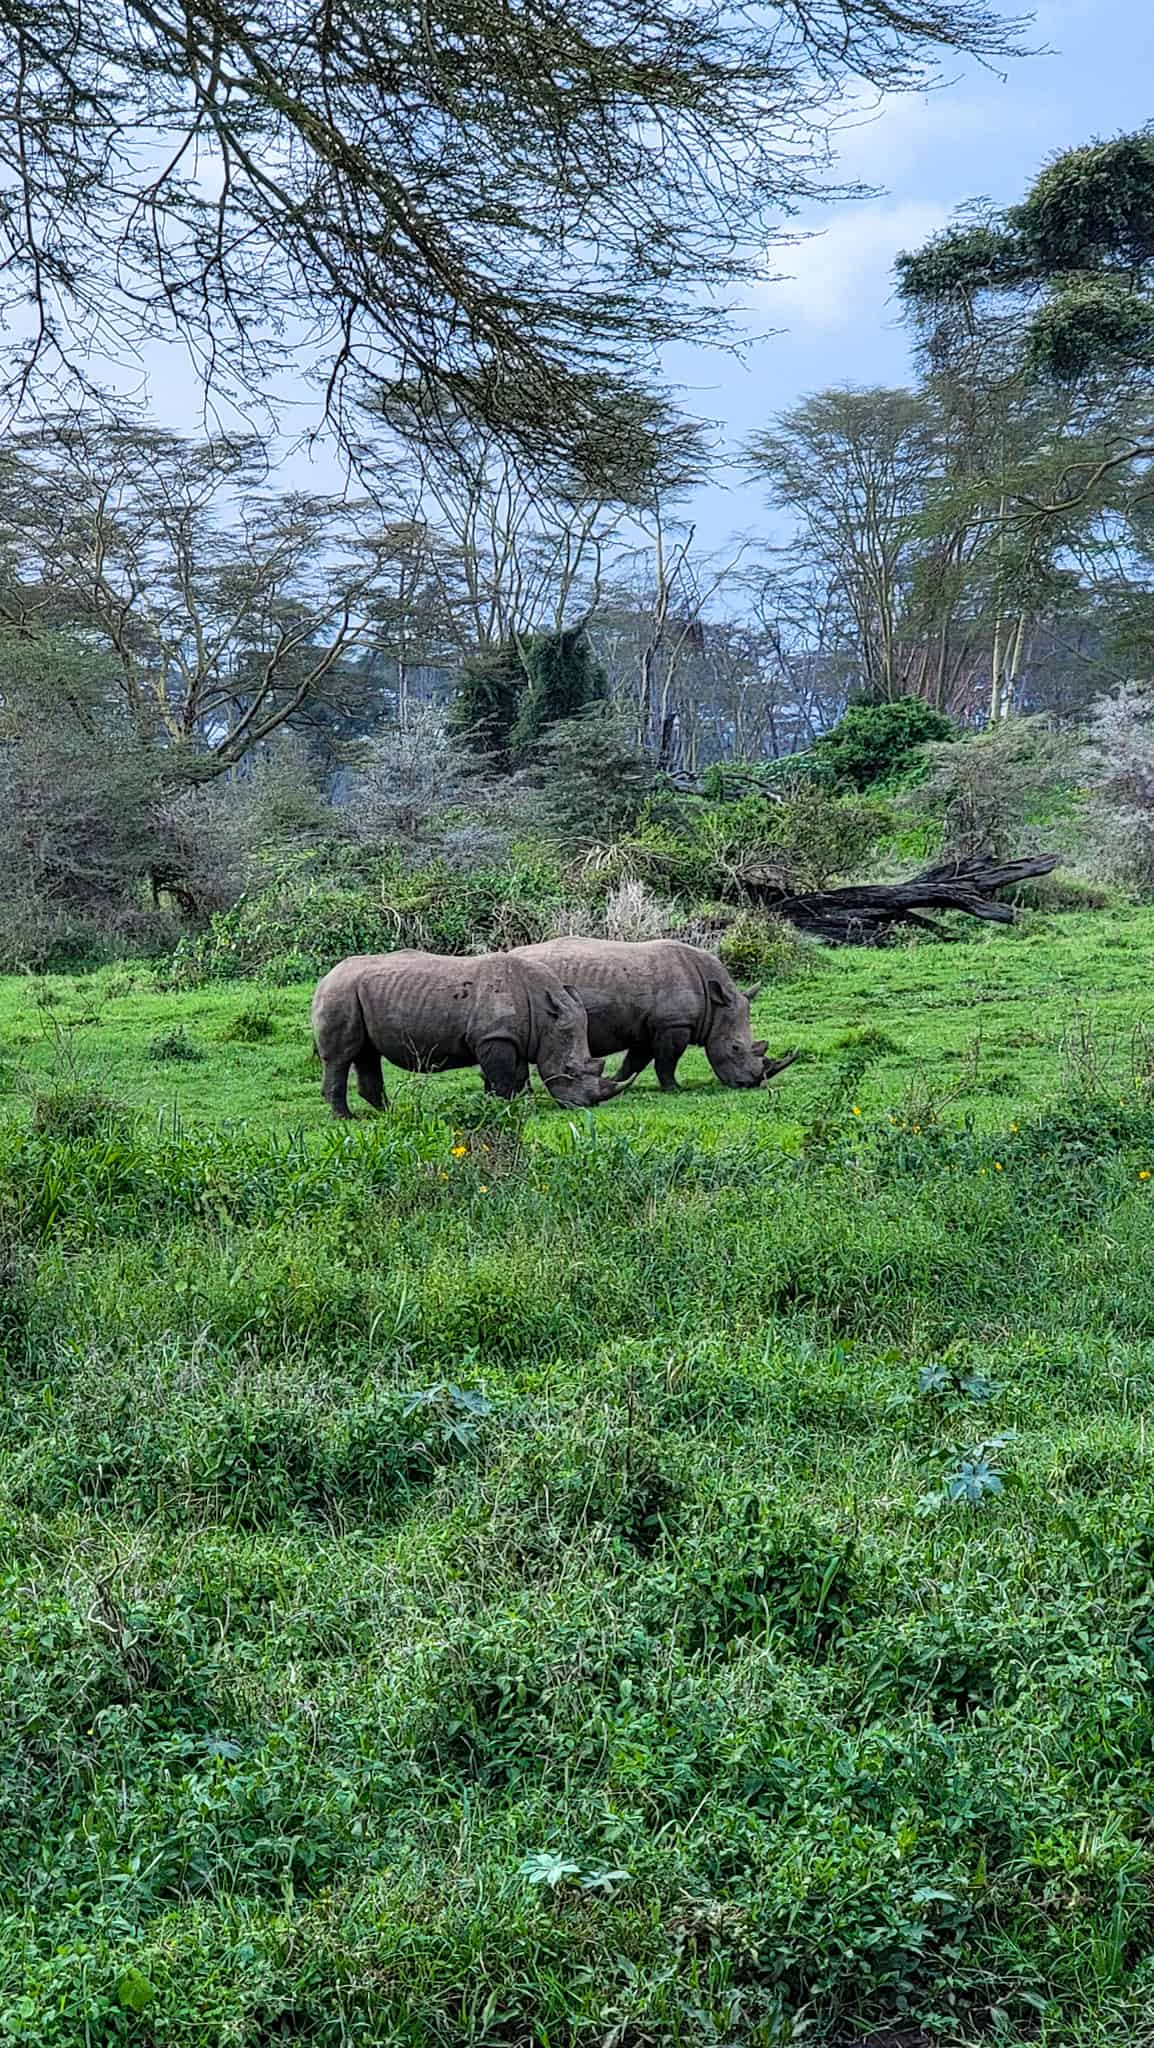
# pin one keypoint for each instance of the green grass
(682, 1575)
(975, 1025)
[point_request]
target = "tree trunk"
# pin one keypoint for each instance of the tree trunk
(865, 914)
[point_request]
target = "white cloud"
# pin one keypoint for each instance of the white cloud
(842, 276)
(883, 141)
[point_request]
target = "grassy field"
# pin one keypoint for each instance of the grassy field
(682, 1575)
(973, 1026)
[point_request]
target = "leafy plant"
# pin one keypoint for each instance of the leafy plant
(250, 1026)
(880, 744)
(454, 1411)
(175, 1046)
(542, 1867)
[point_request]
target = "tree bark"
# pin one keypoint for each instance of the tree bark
(865, 914)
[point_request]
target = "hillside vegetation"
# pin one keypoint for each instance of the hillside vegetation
(679, 1575)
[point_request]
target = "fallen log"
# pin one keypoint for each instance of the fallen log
(864, 914)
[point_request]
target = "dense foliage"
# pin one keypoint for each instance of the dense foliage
(880, 742)
(1083, 237)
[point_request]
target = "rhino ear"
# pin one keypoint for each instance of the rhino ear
(553, 1005)
(759, 1046)
(718, 992)
(571, 991)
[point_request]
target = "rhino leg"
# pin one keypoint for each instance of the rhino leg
(667, 1050)
(370, 1077)
(335, 1085)
(504, 1070)
(637, 1058)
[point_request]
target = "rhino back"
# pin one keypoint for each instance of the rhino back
(629, 988)
(418, 1008)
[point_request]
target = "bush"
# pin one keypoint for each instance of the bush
(251, 1026)
(589, 779)
(408, 786)
(705, 851)
(631, 912)
(1062, 891)
(76, 1110)
(175, 1045)
(998, 794)
(44, 936)
(214, 842)
(880, 743)
(299, 927)
(1120, 759)
(97, 819)
(758, 948)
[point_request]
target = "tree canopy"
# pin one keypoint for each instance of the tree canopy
(1078, 251)
(504, 207)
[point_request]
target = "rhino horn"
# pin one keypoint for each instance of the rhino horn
(772, 1067)
(613, 1087)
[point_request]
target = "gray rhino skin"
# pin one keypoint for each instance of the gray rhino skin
(427, 1013)
(652, 999)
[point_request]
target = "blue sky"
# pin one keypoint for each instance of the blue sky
(979, 135)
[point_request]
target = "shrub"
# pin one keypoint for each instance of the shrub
(998, 793)
(251, 1026)
(299, 927)
(707, 851)
(631, 912)
(76, 1110)
(45, 936)
(589, 779)
(175, 1045)
(880, 743)
(1120, 758)
(760, 948)
(214, 842)
(1063, 891)
(407, 785)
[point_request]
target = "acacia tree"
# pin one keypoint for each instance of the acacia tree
(224, 609)
(511, 544)
(857, 469)
(1065, 280)
(1036, 327)
(513, 204)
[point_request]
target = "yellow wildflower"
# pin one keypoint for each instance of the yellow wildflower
(484, 1191)
(1013, 1127)
(856, 1110)
(1145, 1173)
(459, 1151)
(997, 1166)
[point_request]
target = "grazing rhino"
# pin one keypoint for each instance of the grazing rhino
(652, 999)
(427, 1013)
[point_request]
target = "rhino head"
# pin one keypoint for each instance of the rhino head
(737, 1058)
(563, 1059)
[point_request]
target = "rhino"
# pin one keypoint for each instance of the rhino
(427, 1013)
(651, 999)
